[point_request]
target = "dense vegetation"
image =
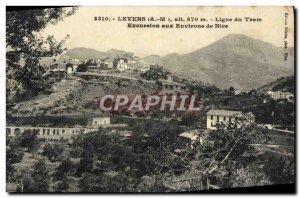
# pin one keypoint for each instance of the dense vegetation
(152, 160)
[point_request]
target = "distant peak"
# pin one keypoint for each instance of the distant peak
(153, 55)
(172, 54)
(114, 50)
(237, 37)
(240, 39)
(81, 48)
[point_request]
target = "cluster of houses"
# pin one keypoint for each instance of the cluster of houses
(276, 95)
(121, 64)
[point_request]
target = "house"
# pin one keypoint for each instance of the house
(270, 93)
(174, 86)
(98, 62)
(108, 64)
(101, 121)
(131, 62)
(170, 78)
(105, 64)
(241, 92)
(192, 137)
(122, 65)
(70, 68)
(137, 64)
(276, 95)
(223, 116)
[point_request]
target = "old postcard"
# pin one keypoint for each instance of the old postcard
(150, 99)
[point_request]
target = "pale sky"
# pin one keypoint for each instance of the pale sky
(102, 36)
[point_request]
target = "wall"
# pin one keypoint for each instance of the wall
(49, 132)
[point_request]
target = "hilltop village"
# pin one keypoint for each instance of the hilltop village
(76, 90)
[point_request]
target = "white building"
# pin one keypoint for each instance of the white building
(193, 136)
(122, 66)
(276, 95)
(170, 78)
(69, 68)
(101, 121)
(223, 116)
(108, 64)
(241, 92)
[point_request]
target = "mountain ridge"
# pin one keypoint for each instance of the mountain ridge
(88, 53)
(235, 60)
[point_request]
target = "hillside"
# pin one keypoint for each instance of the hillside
(286, 84)
(235, 60)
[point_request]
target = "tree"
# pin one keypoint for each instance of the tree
(231, 91)
(63, 185)
(85, 165)
(29, 140)
(25, 47)
(105, 183)
(155, 72)
(24, 182)
(189, 118)
(225, 91)
(38, 181)
(91, 62)
(116, 62)
(14, 154)
(52, 152)
(65, 168)
(221, 153)
(41, 177)
(82, 68)
(280, 170)
(121, 156)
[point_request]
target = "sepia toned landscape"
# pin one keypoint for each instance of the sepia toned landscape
(58, 139)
